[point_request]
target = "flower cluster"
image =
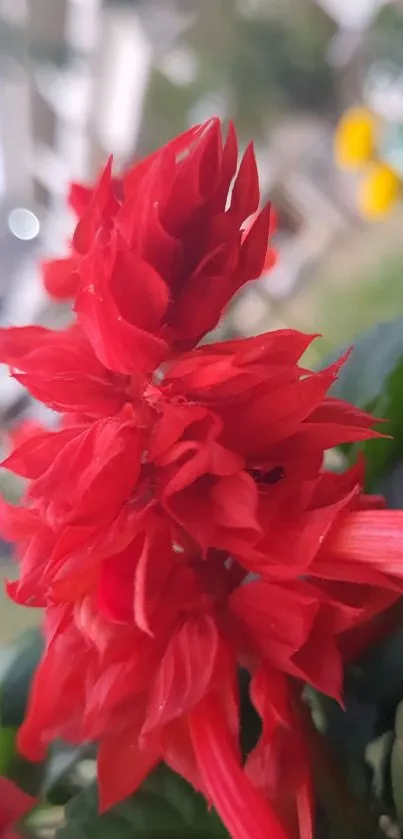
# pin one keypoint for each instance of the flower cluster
(180, 526)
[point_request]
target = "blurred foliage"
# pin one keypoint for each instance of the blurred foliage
(373, 380)
(165, 806)
(280, 65)
(251, 67)
(389, 22)
(17, 666)
(363, 287)
(374, 357)
(367, 735)
(10, 487)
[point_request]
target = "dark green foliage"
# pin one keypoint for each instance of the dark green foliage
(165, 806)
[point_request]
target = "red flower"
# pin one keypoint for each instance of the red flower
(157, 254)
(22, 431)
(179, 526)
(133, 512)
(14, 804)
(159, 636)
(174, 444)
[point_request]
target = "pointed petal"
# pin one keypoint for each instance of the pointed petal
(370, 537)
(178, 146)
(79, 197)
(33, 457)
(245, 194)
(17, 342)
(254, 248)
(49, 715)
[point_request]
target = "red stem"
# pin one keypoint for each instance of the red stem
(242, 809)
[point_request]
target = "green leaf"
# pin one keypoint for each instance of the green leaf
(374, 357)
(17, 666)
(372, 379)
(165, 806)
(7, 749)
(28, 776)
(391, 487)
(382, 455)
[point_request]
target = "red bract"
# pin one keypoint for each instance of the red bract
(14, 805)
(130, 442)
(157, 254)
(271, 253)
(179, 526)
(159, 635)
(144, 515)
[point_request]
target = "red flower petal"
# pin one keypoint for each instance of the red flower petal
(120, 345)
(17, 342)
(32, 458)
(245, 194)
(68, 377)
(124, 761)
(79, 197)
(14, 804)
(372, 538)
(156, 563)
(242, 809)
(61, 277)
(278, 619)
(185, 673)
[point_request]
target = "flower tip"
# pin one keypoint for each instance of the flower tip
(212, 125)
(337, 366)
(250, 150)
(105, 179)
(144, 626)
(231, 127)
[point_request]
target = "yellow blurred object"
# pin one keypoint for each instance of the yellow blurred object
(355, 138)
(379, 191)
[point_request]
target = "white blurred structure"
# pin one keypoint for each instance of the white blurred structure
(352, 14)
(72, 93)
(353, 19)
(74, 77)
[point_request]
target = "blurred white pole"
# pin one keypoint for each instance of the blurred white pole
(122, 73)
(352, 14)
